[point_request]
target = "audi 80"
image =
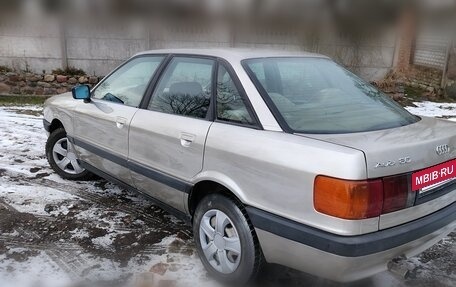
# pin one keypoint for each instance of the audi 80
(272, 156)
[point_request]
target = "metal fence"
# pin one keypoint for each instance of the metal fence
(431, 50)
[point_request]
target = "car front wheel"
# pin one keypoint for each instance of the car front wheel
(226, 240)
(62, 157)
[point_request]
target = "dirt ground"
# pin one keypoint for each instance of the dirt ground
(55, 232)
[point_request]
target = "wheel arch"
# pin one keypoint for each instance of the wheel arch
(58, 114)
(224, 186)
(210, 184)
(55, 124)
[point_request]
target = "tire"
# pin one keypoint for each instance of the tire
(240, 268)
(57, 147)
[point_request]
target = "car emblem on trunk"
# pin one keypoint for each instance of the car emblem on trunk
(401, 160)
(442, 149)
(385, 164)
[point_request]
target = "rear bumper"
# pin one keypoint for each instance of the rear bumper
(346, 258)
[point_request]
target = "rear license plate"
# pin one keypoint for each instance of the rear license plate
(433, 177)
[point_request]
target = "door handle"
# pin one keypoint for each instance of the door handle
(120, 122)
(186, 139)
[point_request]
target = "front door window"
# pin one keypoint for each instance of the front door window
(127, 85)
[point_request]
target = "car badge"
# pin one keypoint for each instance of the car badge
(442, 149)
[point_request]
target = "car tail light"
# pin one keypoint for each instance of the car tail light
(397, 193)
(360, 199)
(348, 199)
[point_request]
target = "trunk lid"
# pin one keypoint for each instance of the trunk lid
(401, 150)
(419, 142)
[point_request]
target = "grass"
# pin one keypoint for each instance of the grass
(22, 100)
(414, 93)
(419, 95)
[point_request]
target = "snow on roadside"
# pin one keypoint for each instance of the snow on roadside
(41, 270)
(33, 199)
(36, 108)
(22, 140)
(432, 109)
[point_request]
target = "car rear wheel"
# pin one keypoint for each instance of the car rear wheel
(226, 241)
(62, 157)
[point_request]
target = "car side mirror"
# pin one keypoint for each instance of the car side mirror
(81, 93)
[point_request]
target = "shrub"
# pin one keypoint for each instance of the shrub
(5, 69)
(70, 71)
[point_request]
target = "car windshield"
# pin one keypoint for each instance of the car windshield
(315, 95)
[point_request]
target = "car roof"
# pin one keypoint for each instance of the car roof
(234, 54)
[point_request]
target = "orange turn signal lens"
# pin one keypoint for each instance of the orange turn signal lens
(348, 199)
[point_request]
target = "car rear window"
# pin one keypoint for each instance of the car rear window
(315, 95)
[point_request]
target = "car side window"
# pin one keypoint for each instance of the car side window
(258, 70)
(231, 106)
(184, 88)
(128, 84)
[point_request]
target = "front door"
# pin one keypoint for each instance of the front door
(167, 139)
(101, 126)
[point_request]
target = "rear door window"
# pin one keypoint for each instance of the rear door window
(184, 88)
(231, 105)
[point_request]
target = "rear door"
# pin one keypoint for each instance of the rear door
(101, 126)
(167, 139)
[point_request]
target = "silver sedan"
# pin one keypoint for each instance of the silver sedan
(272, 156)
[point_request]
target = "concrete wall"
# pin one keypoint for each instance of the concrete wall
(371, 58)
(30, 47)
(97, 49)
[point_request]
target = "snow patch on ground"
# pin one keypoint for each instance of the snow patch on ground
(432, 109)
(39, 268)
(22, 141)
(33, 199)
(79, 233)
